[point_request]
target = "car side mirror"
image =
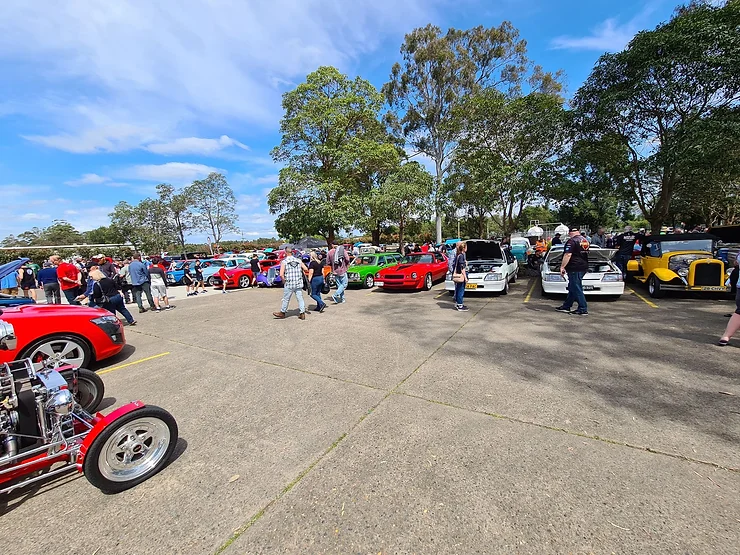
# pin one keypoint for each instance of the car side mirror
(8, 340)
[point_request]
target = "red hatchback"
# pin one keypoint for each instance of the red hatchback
(65, 334)
(416, 271)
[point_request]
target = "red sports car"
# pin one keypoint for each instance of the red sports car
(416, 271)
(239, 277)
(75, 335)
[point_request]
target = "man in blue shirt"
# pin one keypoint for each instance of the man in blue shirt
(140, 282)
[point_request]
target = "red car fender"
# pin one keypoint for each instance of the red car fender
(100, 423)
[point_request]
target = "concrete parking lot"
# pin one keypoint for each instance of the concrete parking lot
(395, 424)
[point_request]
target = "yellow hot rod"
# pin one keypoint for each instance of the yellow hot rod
(678, 262)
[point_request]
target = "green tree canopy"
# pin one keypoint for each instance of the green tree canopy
(213, 207)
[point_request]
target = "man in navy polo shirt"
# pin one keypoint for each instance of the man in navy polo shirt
(575, 264)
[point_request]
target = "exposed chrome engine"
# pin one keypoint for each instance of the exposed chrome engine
(37, 408)
(680, 263)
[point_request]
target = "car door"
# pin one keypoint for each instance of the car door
(440, 266)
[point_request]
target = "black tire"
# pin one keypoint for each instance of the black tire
(209, 281)
(655, 289)
(90, 388)
(243, 281)
(428, 282)
(513, 278)
(82, 351)
(506, 287)
(452, 293)
(114, 437)
(369, 281)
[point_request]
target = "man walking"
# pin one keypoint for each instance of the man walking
(575, 263)
(70, 278)
(140, 282)
(625, 244)
(338, 261)
(291, 272)
(47, 279)
(599, 239)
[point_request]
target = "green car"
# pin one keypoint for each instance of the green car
(362, 271)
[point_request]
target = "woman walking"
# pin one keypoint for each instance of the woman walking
(316, 281)
(105, 294)
(27, 281)
(47, 279)
(734, 324)
(460, 275)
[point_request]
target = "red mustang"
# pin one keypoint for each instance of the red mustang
(64, 334)
(239, 277)
(416, 271)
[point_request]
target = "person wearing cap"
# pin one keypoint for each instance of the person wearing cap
(47, 278)
(575, 264)
(556, 240)
(291, 273)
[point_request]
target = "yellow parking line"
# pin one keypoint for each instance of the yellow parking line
(651, 304)
(131, 363)
(442, 293)
(529, 293)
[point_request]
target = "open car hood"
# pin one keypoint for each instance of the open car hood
(483, 249)
(10, 267)
(594, 255)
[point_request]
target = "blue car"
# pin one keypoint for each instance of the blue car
(7, 270)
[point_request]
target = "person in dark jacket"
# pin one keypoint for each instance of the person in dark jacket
(105, 294)
(47, 278)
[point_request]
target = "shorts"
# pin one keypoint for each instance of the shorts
(737, 301)
(187, 280)
(159, 290)
(27, 287)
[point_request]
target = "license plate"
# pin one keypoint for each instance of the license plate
(380, 283)
(471, 286)
(588, 287)
(714, 289)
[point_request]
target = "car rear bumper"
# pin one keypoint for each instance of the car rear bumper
(595, 289)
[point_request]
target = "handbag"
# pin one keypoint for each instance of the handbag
(457, 277)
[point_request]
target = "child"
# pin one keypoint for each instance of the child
(224, 278)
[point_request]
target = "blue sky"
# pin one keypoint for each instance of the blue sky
(102, 100)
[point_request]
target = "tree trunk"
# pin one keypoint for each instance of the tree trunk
(376, 236)
(400, 235)
(437, 215)
(330, 238)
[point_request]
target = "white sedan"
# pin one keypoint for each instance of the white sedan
(490, 268)
(603, 277)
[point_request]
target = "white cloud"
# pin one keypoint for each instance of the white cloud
(127, 74)
(195, 145)
(34, 217)
(88, 179)
(610, 35)
(171, 171)
(607, 37)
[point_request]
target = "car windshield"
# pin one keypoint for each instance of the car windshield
(218, 263)
(365, 261)
(244, 265)
(688, 245)
(418, 259)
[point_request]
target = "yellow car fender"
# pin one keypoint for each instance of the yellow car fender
(633, 266)
(664, 274)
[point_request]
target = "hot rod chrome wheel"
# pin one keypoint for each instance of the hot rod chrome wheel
(58, 351)
(131, 449)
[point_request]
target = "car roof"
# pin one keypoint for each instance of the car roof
(680, 237)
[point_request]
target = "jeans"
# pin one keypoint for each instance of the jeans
(126, 289)
(288, 292)
(575, 291)
(71, 295)
(459, 293)
(342, 282)
(116, 303)
(146, 287)
(317, 282)
(52, 292)
(621, 263)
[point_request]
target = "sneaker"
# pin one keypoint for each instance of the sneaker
(302, 316)
(133, 323)
(563, 309)
(334, 298)
(142, 310)
(195, 292)
(169, 307)
(343, 300)
(158, 310)
(462, 308)
(322, 309)
(580, 312)
(223, 290)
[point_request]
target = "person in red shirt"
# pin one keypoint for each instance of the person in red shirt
(425, 247)
(224, 278)
(70, 278)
